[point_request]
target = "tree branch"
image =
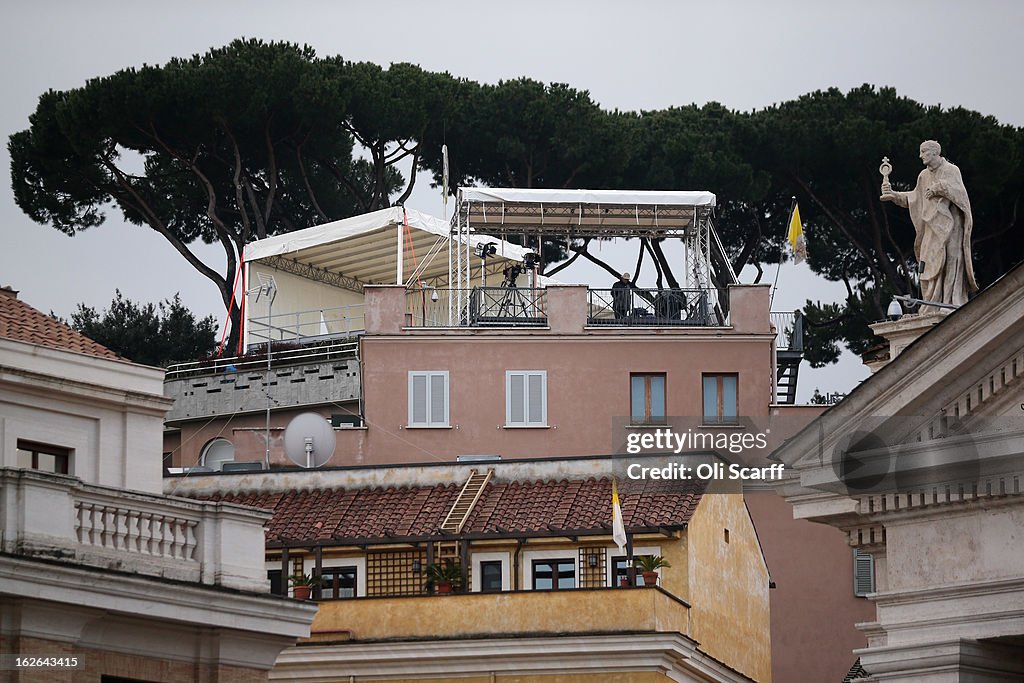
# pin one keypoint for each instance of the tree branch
(567, 263)
(660, 256)
(344, 180)
(272, 189)
(645, 243)
(412, 179)
(305, 181)
(835, 219)
(154, 222)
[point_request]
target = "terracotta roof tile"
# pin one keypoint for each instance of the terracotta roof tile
(520, 507)
(20, 322)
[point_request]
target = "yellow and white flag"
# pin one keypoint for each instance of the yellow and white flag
(796, 236)
(618, 528)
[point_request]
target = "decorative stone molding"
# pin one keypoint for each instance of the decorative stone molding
(60, 517)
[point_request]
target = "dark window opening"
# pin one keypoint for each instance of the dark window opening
(276, 584)
(554, 574)
(338, 582)
(42, 457)
(620, 571)
(490, 576)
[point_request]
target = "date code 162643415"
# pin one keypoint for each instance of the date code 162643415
(12, 662)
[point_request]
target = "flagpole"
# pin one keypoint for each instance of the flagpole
(782, 253)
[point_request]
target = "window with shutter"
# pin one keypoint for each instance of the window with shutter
(428, 398)
(647, 398)
(721, 399)
(863, 573)
(526, 398)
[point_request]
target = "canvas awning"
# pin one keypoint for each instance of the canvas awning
(365, 249)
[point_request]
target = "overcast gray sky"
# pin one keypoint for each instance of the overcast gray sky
(639, 55)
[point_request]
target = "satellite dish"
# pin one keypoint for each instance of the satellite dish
(309, 440)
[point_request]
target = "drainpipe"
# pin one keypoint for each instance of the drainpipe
(515, 565)
(464, 561)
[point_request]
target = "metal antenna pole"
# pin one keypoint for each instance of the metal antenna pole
(268, 287)
(270, 347)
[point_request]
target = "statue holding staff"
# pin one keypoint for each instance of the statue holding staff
(941, 213)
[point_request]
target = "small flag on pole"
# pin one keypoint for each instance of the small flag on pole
(618, 528)
(796, 235)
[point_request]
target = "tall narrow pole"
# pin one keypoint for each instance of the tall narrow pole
(399, 273)
(270, 346)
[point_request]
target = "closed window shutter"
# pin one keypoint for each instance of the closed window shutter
(418, 402)
(438, 400)
(428, 399)
(516, 399)
(535, 402)
(863, 573)
(730, 400)
(526, 398)
(710, 399)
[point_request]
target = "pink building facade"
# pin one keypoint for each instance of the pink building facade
(569, 387)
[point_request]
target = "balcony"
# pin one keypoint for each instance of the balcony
(61, 518)
(649, 307)
(789, 331)
(583, 610)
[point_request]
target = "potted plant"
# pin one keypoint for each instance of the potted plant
(445, 577)
(303, 585)
(649, 566)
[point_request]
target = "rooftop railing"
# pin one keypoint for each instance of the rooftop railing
(281, 355)
(789, 331)
(316, 324)
(477, 307)
(633, 307)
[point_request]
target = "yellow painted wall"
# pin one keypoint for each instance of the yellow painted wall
(674, 579)
(730, 617)
(602, 610)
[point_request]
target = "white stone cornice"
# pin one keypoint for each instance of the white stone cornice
(672, 654)
(47, 386)
(157, 599)
(953, 659)
(949, 591)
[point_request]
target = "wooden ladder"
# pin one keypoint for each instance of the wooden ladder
(459, 515)
(466, 501)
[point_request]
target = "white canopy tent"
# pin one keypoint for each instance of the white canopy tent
(358, 249)
(392, 246)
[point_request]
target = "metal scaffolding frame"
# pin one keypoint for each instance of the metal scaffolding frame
(616, 216)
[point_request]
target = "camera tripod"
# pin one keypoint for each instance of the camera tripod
(512, 303)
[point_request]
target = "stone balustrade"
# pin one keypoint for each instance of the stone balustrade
(62, 518)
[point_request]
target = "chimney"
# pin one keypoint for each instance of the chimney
(9, 292)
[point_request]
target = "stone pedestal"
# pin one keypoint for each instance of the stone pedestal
(900, 333)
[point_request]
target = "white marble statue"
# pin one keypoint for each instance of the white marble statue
(941, 213)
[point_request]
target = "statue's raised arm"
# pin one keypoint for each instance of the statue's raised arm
(941, 213)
